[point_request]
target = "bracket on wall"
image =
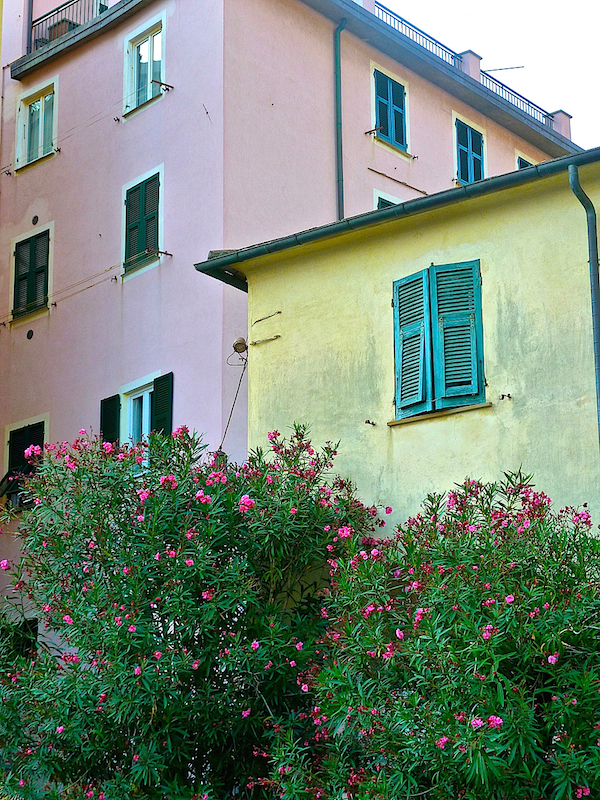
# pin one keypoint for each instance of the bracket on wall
(164, 86)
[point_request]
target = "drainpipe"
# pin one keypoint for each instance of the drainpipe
(339, 163)
(594, 283)
(29, 26)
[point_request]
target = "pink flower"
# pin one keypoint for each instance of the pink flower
(552, 659)
(157, 654)
(131, 629)
(299, 645)
(509, 598)
(441, 743)
(68, 619)
(388, 510)
(272, 435)
(4, 564)
(126, 570)
(137, 671)
(292, 663)
(60, 729)
(157, 556)
(168, 481)
(172, 553)
(108, 448)
(293, 511)
(399, 633)
(476, 723)
(189, 562)
(255, 646)
(304, 687)
(494, 722)
(196, 664)
(246, 713)
(246, 503)
(208, 594)
(136, 757)
(82, 431)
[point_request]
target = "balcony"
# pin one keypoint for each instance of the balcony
(63, 19)
(454, 59)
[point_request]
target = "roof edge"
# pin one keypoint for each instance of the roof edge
(227, 266)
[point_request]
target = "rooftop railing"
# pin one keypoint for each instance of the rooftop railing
(64, 18)
(450, 57)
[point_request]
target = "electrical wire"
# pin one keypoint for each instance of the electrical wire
(233, 405)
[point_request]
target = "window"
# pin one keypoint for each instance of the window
(31, 274)
(135, 412)
(523, 163)
(390, 122)
(36, 130)
(438, 339)
(469, 153)
(19, 440)
(144, 67)
(141, 224)
(383, 203)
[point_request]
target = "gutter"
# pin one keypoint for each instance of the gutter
(224, 267)
(594, 282)
(339, 157)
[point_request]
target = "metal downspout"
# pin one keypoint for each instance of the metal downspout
(339, 162)
(29, 47)
(594, 282)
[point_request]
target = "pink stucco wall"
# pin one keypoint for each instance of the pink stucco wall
(279, 125)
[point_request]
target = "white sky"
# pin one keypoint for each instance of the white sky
(558, 44)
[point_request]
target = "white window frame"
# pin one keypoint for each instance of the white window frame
(160, 171)
(38, 92)
(131, 42)
(26, 318)
(128, 393)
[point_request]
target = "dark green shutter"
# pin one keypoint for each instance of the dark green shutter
(110, 413)
(19, 440)
(162, 404)
(141, 223)
(31, 273)
(412, 345)
(457, 334)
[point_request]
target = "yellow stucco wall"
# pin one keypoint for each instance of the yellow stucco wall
(333, 363)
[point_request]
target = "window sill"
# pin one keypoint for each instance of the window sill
(143, 266)
(130, 112)
(37, 160)
(393, 148)
(27, 316)
(445, 412)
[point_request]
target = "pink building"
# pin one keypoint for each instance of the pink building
(139, 135)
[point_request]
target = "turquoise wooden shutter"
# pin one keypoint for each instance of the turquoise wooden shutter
(412, 345)
(110, 413)
(457, 334)
(162, 404)
(382, 105)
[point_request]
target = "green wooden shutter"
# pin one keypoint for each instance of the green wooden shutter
(457, 334)
(19, 440)
(38, 294)
(133, 224)
(382, 105)
(22, 262)
(162, 404)
(151, 214)
(110, 413)
(412, 345)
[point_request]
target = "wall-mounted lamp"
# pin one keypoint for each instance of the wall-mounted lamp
(240, 345)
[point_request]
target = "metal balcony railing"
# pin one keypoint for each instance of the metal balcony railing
(64, 18)
(450, 57)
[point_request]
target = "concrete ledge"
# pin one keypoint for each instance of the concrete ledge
(445, 412)
(84, 33)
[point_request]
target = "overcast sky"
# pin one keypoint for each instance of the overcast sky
(558, 44)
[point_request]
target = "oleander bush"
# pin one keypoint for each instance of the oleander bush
(463, 658)
(179, 611)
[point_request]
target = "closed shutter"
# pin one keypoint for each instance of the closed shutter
(412, 343)
(39, 277)
(22, 262)
(151, 213)
(110, 413)
(382, 105)
(397, 114)
(19, 440)
(162, 404)
(133, 223)
(457, 334)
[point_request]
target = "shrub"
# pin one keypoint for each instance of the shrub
(464, 658)
(179, 601)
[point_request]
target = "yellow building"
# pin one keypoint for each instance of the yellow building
(445, 337)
